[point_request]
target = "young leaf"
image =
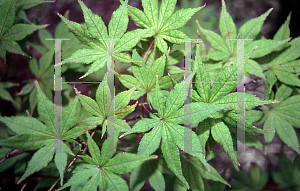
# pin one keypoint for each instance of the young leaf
(146, 78)
(163, 23)
(110, 112)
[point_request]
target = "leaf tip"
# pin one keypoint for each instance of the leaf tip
(229, 185)
(76, 91)
(121, 136)
(20, 93)
(197, 22)
(289, 39)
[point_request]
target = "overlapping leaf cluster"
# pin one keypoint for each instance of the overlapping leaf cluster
(225, 47)
(213, 105)
(219, 93)
(102, 44)
(272, 60)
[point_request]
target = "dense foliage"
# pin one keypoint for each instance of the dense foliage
(177, 134)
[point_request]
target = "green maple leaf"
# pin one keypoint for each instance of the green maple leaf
(173, 58)
(44, 76)
(255, 180)
(40, 134)
(103, 111)
(205, 16)
(166, 127)
(282, 116)
(145, 77)
(4, 94)
(101, 170)
(193, 171)
(162, 22)
(67, 46)
(96, 37)
(283, 65)
(152, 170)
(288, 177)
(10, 33)
(219, 94)
(225, 47)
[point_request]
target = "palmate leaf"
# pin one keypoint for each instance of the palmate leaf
(96, 37)
(146, 78)
(282, 117)
(163, 22)
(225, 47)
(10, 33)
(283, 66)
(166, 127)
(255, 180)
(103, 111)
(288, 177)
(101, 173)
(218, 95)
(33, 134)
